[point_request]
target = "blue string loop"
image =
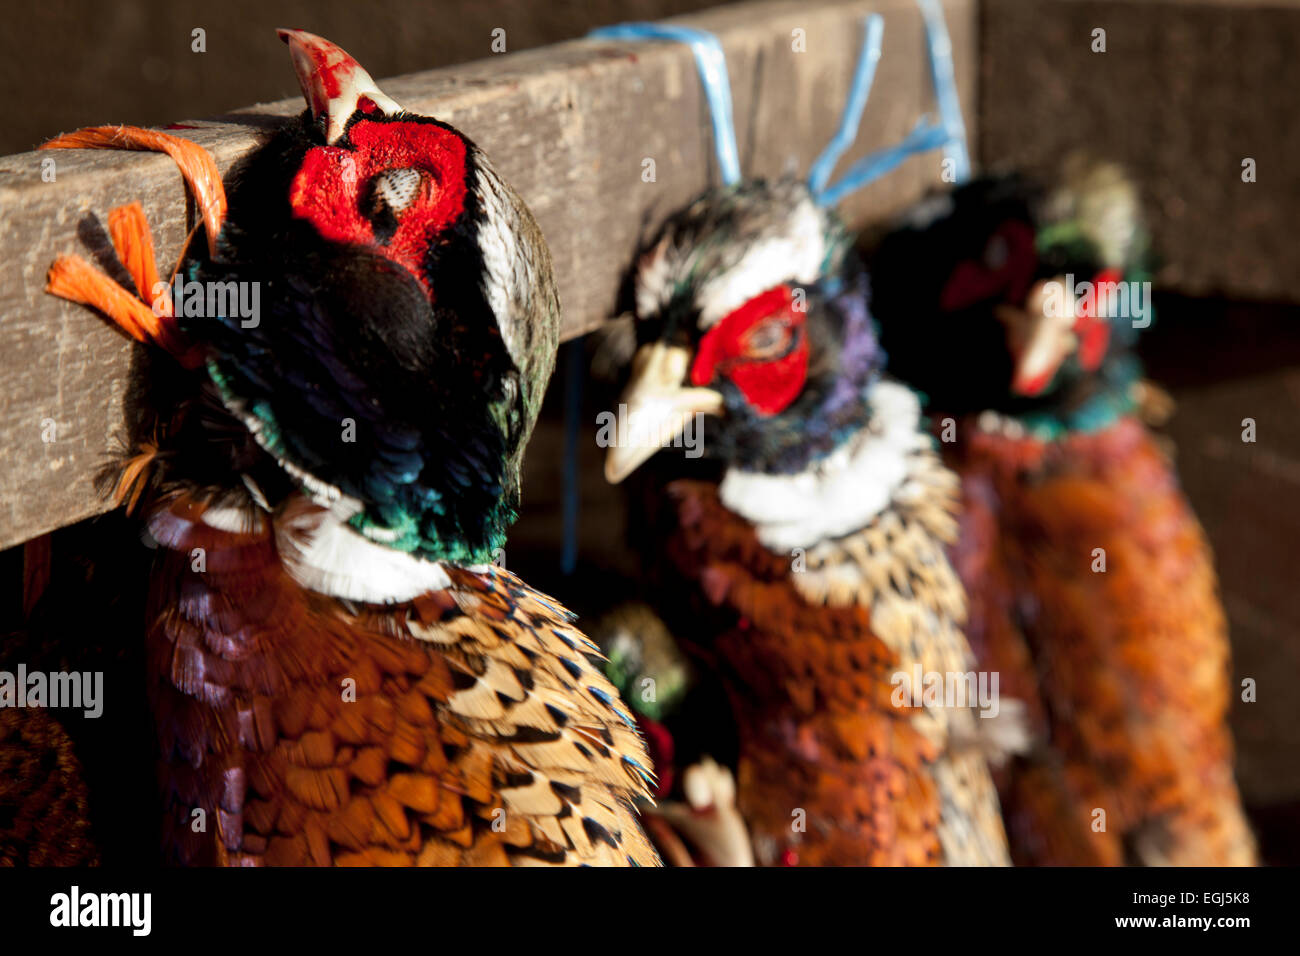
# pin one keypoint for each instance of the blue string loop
(711, 63)
(824, 165)
(948, 134)
(944, 78)
(924, 137)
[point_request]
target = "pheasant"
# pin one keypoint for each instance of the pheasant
(801, 557)
(1013, 307)
(693, 819)
(814, 563)
(338, 672)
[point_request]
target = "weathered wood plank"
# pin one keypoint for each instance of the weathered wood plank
(569, 125)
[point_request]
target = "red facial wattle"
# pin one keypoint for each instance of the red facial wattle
(327, 189)
(770, 385)
(973, 281)
(1092, 329)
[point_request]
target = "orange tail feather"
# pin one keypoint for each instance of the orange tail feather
(196, 164)
(129, 230)
(134, 477)
(75, 279)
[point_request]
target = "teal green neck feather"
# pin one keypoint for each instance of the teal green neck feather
(1110, 401)
(430, 529)
(426, 542)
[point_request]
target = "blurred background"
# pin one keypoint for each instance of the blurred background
(1185, 93)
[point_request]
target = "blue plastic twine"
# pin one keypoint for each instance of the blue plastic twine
(924, 137)
(949, 133)
(863, 77)
(944, 78)
(712, 65)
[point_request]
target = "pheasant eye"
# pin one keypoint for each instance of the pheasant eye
(767, 340)
(395, 190)
(389, 195)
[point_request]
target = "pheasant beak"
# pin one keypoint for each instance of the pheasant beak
(1039, 335)
(333, 83)
(656, 407)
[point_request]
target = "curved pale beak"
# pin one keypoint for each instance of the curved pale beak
(1040, 335)
(333, 83)
(656, 408)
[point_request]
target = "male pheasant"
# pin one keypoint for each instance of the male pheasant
(339, 673)
(803, 555)
(1092, 586)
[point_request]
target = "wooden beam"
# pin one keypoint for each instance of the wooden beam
(568, 125)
